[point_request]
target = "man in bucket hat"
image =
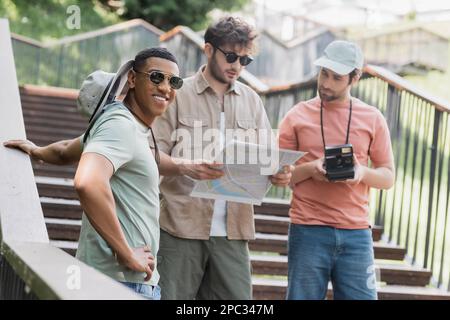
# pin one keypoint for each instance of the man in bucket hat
(117, 177)
(329, 235)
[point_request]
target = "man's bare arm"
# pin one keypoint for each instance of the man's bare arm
(59, 153)
(96, 198)
(200, 170)
(381, 176)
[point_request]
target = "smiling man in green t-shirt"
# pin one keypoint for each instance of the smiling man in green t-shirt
(117, 179)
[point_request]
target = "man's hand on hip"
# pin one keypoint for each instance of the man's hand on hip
(140, 260)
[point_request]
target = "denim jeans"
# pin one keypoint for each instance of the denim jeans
(319, 254)
(145, 290)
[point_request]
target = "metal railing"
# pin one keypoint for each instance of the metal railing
(31, 268)
(415, 212)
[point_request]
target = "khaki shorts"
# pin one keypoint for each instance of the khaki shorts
(214, 269)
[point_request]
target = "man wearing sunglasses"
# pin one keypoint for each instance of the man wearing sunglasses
(117, 177)
(204, 243)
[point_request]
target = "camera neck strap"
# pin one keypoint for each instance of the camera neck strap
(348, 125)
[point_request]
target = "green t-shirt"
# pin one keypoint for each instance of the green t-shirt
(120, 138)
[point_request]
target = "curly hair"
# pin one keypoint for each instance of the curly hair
(230, 30)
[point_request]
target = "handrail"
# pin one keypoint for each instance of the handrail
(402, 84)
(27, 40)
(90, 34)
(107, 30)
(381, 73)
(24, 244)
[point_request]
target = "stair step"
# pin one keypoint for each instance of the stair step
(53, 116)
(34, 122)
(389, 273)
(265, 223)
(278, 244)
(53, 108)
(34, 131)
(404, 275)
(377, 232)
(275, 207)
(49, 170)
(68, 246)
(56, 188)
(61, 208)
(46, 100)
(63, 229)
(273, 289)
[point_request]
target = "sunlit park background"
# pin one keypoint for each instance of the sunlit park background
(57, 43)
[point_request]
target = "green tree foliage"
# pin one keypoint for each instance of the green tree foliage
(166, 14)
(46, 19)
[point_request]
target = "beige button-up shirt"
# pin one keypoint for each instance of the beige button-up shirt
(197, 107)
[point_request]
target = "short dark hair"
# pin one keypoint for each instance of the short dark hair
(158, 52)
(352, 74)
(230, 30)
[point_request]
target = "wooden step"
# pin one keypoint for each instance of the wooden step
(269, 243)
(52, 116)
(67, 133)
(275, 207)
(269, 289)
(68, 246)
(404, 275)
(272, 289)
(56, 188)
(278, 244)
(34, 122)
(388, 252)
(63, 229)
(265, 223)
(389, 273)
(61, 208)
(54, 108)
(40, 123)
(47, 100)
(49, 170)
(377, 233)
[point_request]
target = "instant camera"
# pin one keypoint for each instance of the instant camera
(339, 162)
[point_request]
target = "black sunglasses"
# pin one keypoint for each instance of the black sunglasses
(231, 57)
(158, 77)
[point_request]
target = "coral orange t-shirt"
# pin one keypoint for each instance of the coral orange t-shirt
(338, 205)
